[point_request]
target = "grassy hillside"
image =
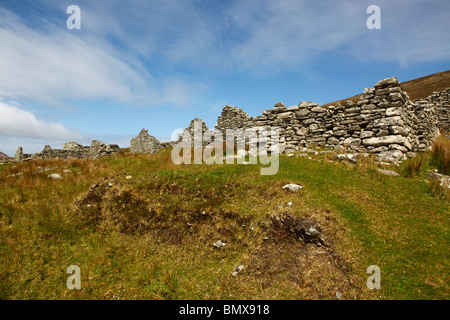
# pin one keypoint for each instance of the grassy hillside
(140, 227)
(419, 88)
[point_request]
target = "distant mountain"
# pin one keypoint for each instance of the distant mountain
(3, 156)
(419, 88)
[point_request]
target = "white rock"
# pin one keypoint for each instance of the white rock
(350, 157)
(292, 187)
(54, 176)
(219, 244)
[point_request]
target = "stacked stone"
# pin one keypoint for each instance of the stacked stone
(296, 124)
(233, 118)
(196, 130)
(424, 125)
(76, 151)
(383, 121)
(99, 149)
(19, 154)
(145, 143)
(441, 102)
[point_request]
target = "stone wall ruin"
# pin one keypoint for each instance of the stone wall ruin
(383, 121)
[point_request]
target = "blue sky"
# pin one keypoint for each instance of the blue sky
(158, 64)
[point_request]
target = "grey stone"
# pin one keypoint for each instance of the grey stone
(144, 143)
(54, 176)
(385, 141)
(388, 172)
(350, 157)
(219, 244)
(293, 187)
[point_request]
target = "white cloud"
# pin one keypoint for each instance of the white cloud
(271, 36)
(53, 65)
(20, 123)
(110, 57)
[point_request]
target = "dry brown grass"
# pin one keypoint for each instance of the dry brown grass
(421, 88)
(440, 155)
(151, 236)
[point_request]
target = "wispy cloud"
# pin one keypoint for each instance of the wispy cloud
(132, 53)
(52, 64)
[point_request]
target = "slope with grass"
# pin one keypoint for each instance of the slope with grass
(419, 88)
(140, 227)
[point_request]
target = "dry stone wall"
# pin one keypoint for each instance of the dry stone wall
(383, 121)
(441, 102)
(76, 151)
(145, 143)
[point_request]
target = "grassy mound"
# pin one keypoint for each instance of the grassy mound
(140, 227)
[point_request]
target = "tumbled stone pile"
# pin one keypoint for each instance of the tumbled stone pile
(74, 150)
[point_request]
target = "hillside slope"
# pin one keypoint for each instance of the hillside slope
(419, 88)
(3, 156)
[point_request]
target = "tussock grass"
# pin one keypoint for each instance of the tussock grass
(440, 155)
(415, 166)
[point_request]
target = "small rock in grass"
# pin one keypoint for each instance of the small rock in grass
(292, 187)
(238, 269)
(219, 244)
(54, 176)
(350, 157)
(388, 172)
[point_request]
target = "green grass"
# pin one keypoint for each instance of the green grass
(151, 237)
